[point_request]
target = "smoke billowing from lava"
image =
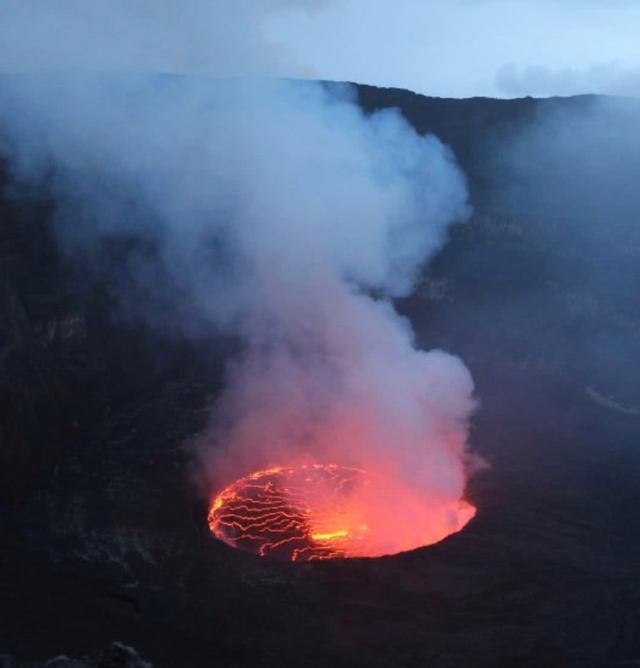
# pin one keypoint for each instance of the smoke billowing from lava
(278, 212)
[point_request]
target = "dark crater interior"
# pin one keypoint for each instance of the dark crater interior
(103, 538)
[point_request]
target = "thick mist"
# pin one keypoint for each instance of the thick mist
(276, 212)
(567, 176)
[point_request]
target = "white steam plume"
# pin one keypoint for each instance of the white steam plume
(277, 209)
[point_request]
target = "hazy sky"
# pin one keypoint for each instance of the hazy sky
(473, 47)
(444, 47)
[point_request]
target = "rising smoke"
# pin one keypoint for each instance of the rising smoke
(280, 213)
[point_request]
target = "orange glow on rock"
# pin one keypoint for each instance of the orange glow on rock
(328, 511)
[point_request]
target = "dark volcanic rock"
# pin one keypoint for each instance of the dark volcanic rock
(34, 400)
(66, 354)
(112, 546)
(116, 655)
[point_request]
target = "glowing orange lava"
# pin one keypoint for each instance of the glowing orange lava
(327, 511)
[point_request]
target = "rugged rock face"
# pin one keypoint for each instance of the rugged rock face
(116, 655)
(34, 430)
(66, 356)
(102, 536)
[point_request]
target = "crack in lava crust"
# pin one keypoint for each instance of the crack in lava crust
(326, 511)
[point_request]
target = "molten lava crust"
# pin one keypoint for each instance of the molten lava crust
(322, 511)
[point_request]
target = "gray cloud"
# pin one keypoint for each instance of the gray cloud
(223, 37)
(455, 48)
(451, 49)
(541, 81)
